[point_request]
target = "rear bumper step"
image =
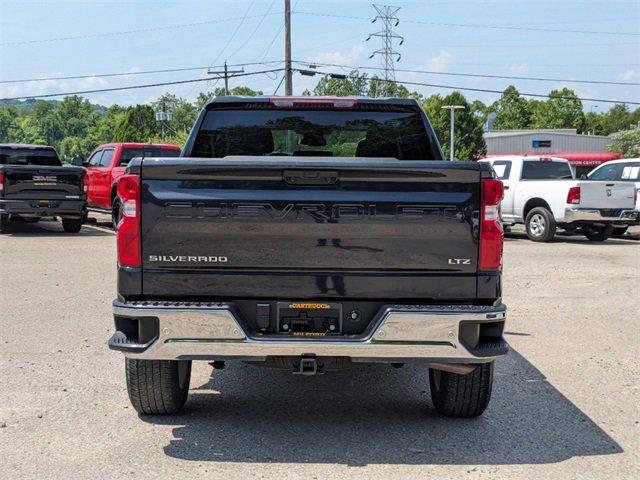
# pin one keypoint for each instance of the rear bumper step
(45, 208)
(210, 331)
(625, 217)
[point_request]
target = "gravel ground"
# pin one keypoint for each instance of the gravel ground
(565, 400)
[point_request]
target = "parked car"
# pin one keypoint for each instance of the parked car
(34, 185)
(107, 163)
(542, 193)
(626, 170)
(309, 233)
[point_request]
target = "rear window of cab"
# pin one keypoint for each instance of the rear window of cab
(545, 170)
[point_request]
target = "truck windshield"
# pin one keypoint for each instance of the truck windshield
(46, 157)
(545, 170)
(319, 133)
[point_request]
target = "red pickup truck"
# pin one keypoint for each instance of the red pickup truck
(107, 163)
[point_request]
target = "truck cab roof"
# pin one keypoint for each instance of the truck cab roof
(139, 145)
(26, 146)
(338, 101)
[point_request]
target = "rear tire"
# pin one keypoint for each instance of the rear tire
(598, 234)
(158, 387)
(618, 232)
(4, 223)
(461, 396)
(72, 225)
(540, 224)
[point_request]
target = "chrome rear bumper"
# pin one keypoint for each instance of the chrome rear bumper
(625, 217)
(211, 331)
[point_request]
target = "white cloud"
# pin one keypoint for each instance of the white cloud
(628, 74)
(440, 62)
(518, 68)
(339, 57)
(52, 86)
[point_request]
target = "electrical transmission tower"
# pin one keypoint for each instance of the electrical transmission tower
(387, 15)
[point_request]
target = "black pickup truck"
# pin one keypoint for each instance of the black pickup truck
(309, 233)
(34, 185)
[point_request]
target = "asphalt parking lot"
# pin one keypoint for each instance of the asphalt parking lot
(565, 400)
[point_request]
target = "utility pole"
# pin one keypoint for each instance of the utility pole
(452, 109)
(593, 129)
(163, 117)
(288, 73)
(387, 14)
(226, 73)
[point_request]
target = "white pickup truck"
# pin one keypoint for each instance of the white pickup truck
(542, 193)
(625, 170)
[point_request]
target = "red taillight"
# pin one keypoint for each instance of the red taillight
(491, 232)
(1, 182)
(85, 182)
(573, 197)
(129, 224)
(310, 102)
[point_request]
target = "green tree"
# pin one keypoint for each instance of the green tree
(627, 142)
(469, 142)
(10, 129)
(619, 118)
(76, 117)
(137, 124)
(106, 127)
(204, 97)
(70, 146)
(378, 88)
(562, 110)
(46, 122)
(512, 111)
(355, 84)
(183, 113)
(594, 123)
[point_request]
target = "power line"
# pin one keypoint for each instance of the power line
(486, 90)
(127, 32)
(481, 26)
(254, 30)
(144, 72)
(132, 87)
(275, 37)
(460, 74)
(226, 45)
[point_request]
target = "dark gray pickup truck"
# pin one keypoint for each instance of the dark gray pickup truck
(34, 185)
(309, 233)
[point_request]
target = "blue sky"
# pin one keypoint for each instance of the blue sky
(210, 39)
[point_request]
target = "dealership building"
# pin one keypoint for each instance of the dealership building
(584, 152)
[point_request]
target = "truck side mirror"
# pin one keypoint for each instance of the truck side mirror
(584, 177)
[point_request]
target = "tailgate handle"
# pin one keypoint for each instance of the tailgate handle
(310, 177)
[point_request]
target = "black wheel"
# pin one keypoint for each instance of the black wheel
(72, 225)
(158, 387)
(461, 396)
(541, 226)
(618, 232)
(598, 234)
(4, 223)
(115, 212)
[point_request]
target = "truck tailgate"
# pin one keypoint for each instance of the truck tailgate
(606, 195)
(311, 228)
(42, 183)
